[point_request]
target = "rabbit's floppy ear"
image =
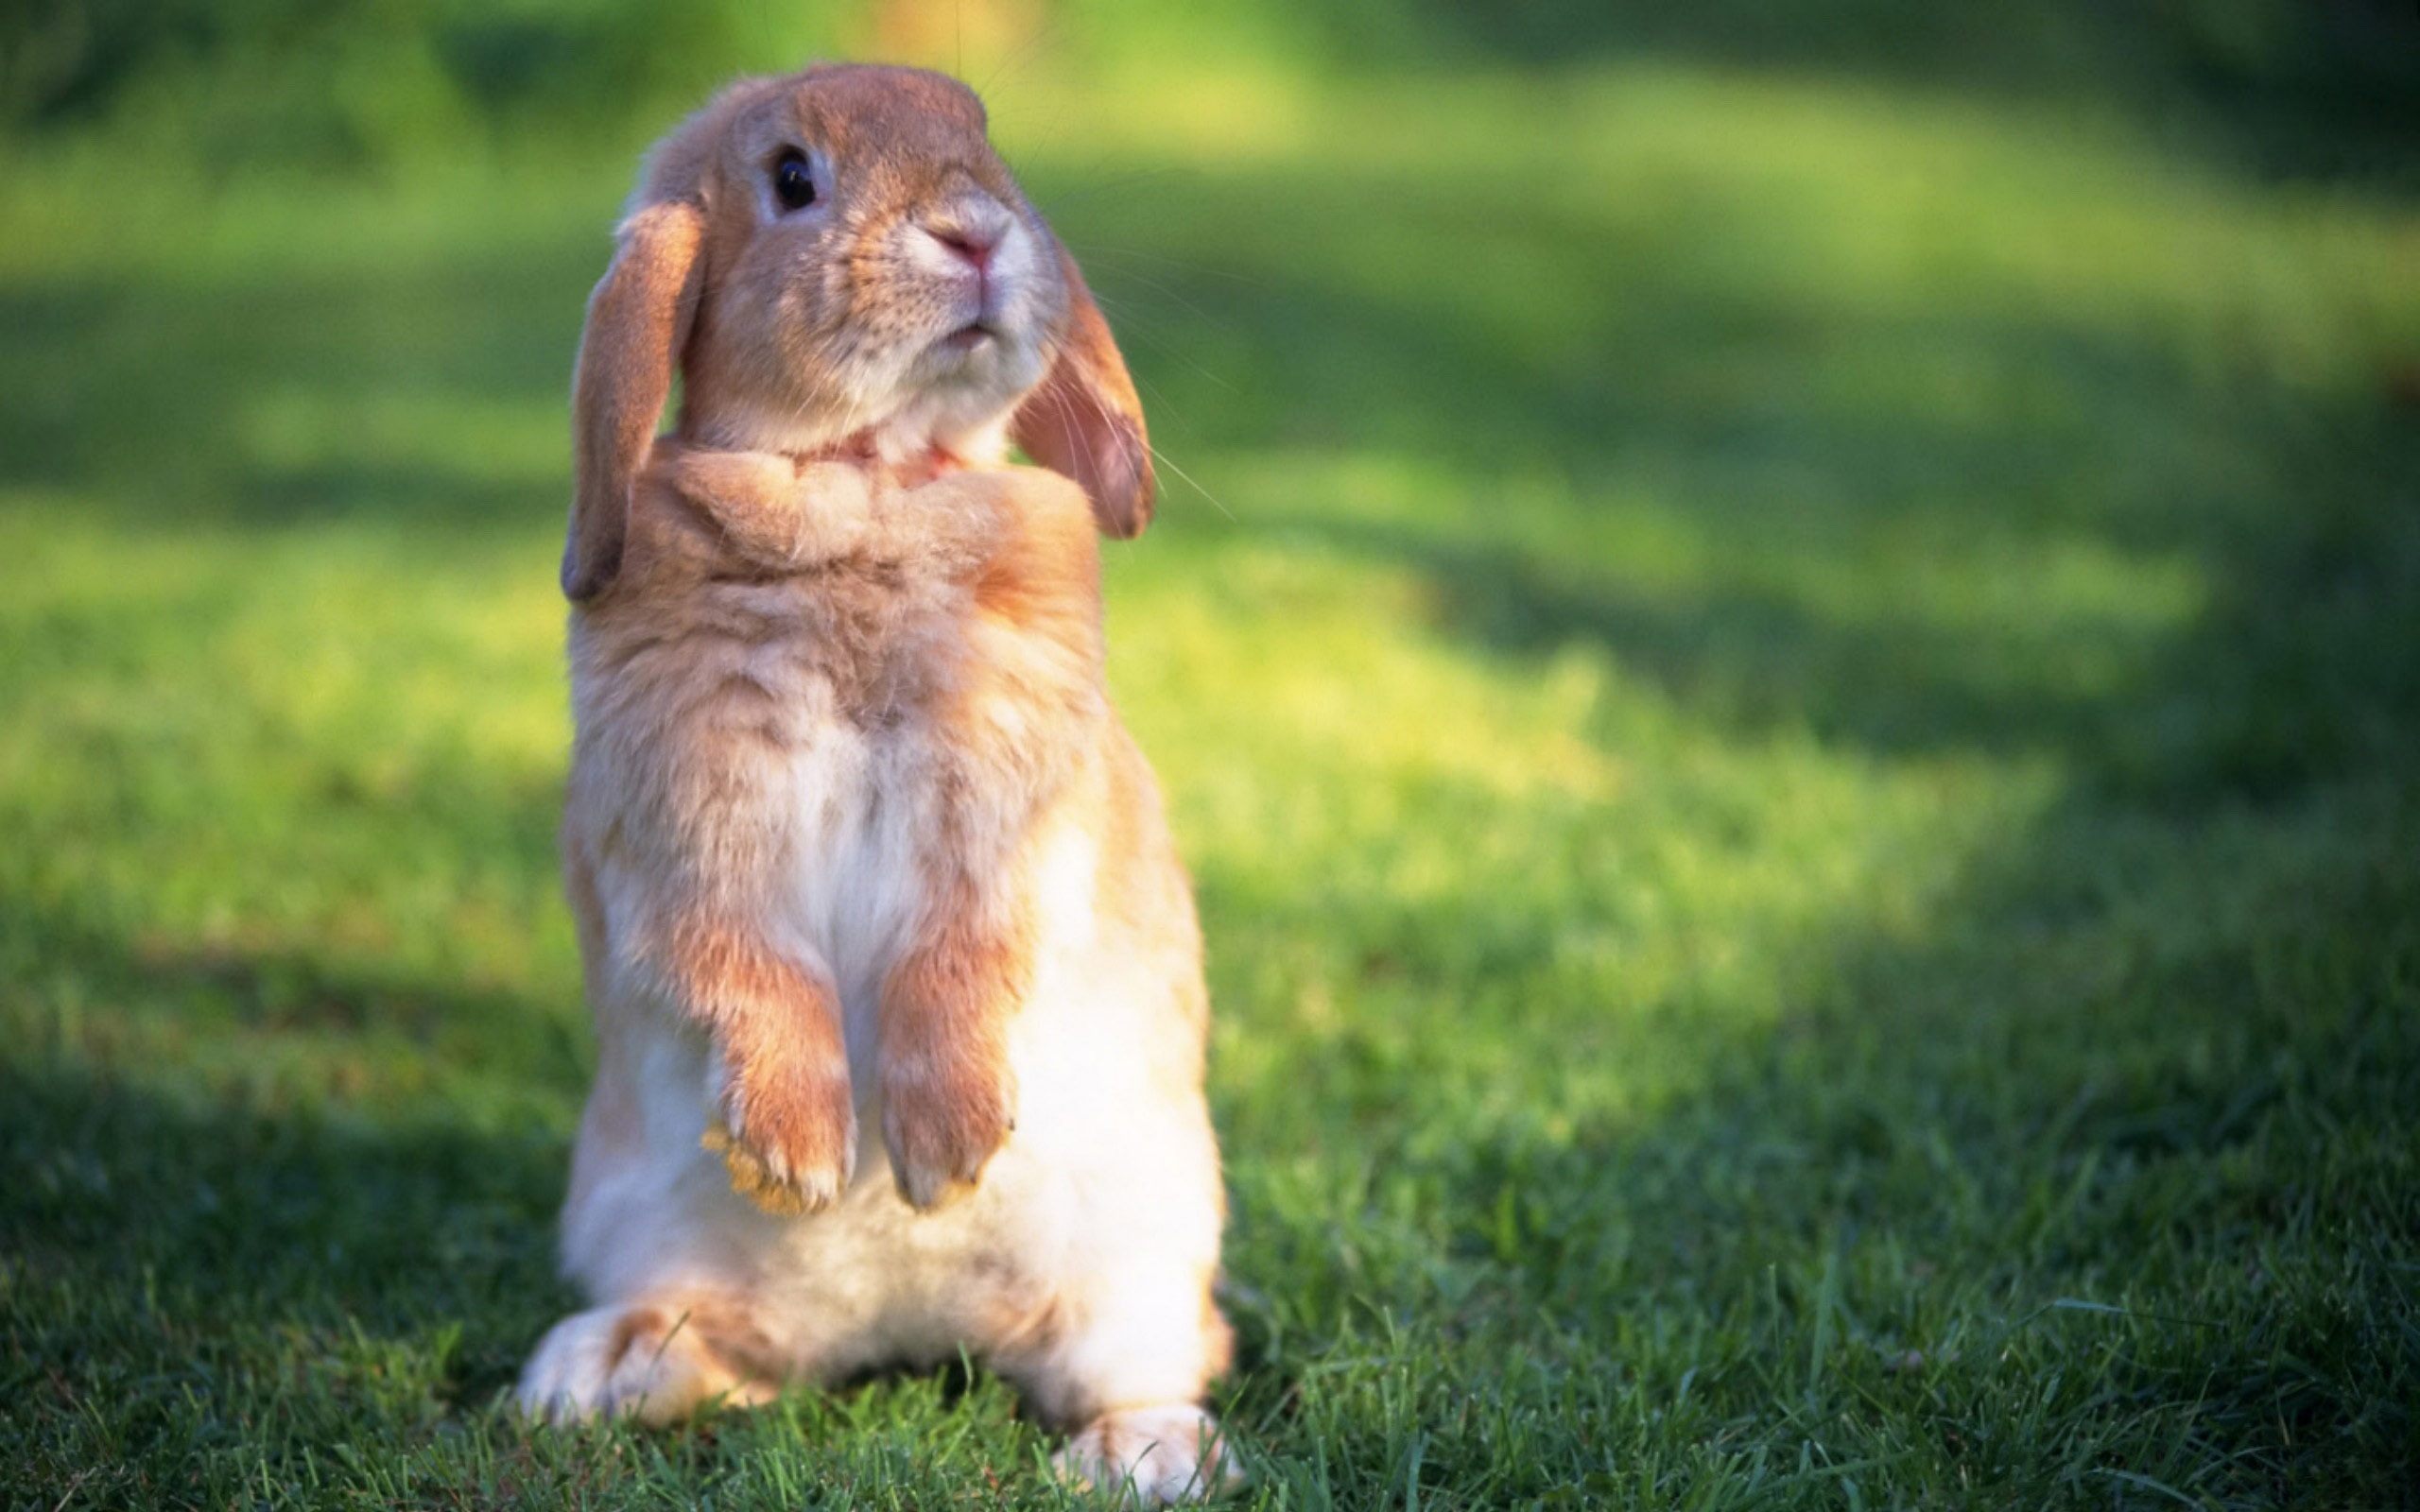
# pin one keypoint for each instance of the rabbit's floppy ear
(1085, 420)
(639, 320)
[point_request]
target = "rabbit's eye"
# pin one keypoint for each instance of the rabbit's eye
(793, 183)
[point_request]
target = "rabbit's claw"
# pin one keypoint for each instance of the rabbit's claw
(790, 1153)
(941, 1126)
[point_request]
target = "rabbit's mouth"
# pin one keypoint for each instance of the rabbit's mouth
(969, 339)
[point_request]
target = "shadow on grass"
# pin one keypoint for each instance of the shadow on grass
(2298, 672)
(2313, 91)
(429, 393)
(191, 1240)
(190, 1231)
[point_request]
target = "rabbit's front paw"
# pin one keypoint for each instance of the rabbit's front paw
(944, 1117)
(783, 513)
(788, 1131)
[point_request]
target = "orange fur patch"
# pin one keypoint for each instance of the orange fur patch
(794, 1130)
(949, 1102)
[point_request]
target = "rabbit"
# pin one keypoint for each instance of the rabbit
(853, 836)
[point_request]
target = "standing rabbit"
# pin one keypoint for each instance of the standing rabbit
(854, 837)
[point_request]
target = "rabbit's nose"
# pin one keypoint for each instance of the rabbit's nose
(972, 232)
(974, 245)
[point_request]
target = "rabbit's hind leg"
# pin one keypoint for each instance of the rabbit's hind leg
(653, 1361)
(1127, 1368)
(1151, 1456)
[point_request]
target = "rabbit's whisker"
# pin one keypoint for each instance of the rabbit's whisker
(1165, 292)
(1177, 265)
(1168, 463)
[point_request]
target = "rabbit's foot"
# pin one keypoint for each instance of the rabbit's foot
(649, 1362)
(1149, 1456)
(780, 510)
(942, 1120)
(788, 1131)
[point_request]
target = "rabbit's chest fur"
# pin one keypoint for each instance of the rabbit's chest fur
(791, 758)
(851, 694)
(807, 747)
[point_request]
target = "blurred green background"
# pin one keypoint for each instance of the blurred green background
(1785, 639)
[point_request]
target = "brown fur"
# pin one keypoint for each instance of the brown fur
(685, 1348)
(1086, 420)
(793, 1127)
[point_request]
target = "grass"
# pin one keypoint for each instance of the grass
(1795, 718)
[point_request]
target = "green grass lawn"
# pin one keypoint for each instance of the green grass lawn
(1795, 701)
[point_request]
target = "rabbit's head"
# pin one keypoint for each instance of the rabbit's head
(833, 257)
